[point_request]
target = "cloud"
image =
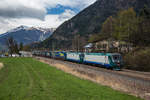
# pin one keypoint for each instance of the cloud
(12, 9)
(80, 4)
(49, 21)
(22, 12)
(36, 8)
(14, 13)
(66, 15)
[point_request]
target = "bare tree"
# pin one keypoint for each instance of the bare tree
(12, 46)
(78, 43)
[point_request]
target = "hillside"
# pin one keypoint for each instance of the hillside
(26, 35)
(89, 21)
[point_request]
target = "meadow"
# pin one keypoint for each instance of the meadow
(29, 79)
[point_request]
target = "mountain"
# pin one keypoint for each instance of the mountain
(89, 21)
(26, 35)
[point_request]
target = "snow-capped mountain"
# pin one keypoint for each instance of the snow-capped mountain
(26, 34)
(22, 27)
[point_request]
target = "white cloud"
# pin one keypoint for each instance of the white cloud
(66, 15)
(22, 12)
(14, 13)
(72, 3)
(21, 9)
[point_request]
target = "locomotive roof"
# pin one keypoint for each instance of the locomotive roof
(106, 54)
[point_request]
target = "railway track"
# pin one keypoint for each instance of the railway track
(125, 72)
(133, 82)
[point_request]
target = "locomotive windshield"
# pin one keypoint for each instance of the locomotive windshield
(116, 58)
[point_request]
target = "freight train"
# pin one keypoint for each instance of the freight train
(107, 60)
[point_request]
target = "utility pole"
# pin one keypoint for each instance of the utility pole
(52, 46)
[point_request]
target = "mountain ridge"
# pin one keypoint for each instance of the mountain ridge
(26, 35)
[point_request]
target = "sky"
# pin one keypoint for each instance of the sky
(38, 13)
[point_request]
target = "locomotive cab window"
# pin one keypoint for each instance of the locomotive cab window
(116, 58)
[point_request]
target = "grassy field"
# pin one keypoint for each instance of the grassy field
(28, 79)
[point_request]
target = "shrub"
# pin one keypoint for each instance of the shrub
(139, 60)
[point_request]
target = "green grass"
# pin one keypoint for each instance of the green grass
(28, 79)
